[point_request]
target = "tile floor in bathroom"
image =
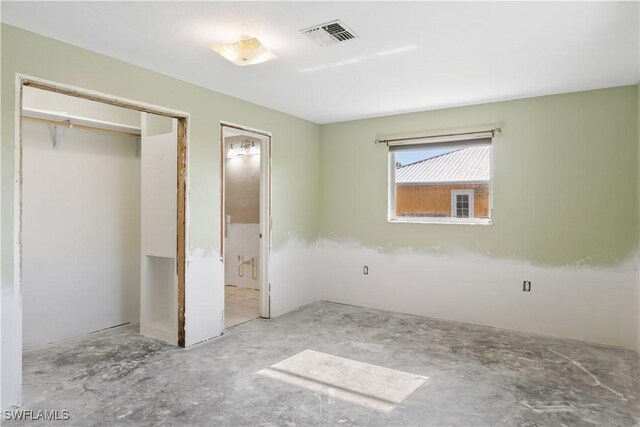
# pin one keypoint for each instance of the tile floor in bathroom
(240, 305)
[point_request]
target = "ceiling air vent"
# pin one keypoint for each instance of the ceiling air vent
(329, 33)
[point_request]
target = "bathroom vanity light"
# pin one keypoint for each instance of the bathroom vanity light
(243, 149)
(244, 52)
(253, 150)
(233, 151)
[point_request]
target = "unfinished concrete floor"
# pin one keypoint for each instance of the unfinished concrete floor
(476, 375)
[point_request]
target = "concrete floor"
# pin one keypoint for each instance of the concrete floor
(240, 305)
(476, 375)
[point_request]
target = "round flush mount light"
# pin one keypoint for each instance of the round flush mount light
(244, 52)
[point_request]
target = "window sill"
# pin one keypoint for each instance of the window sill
(455, 221)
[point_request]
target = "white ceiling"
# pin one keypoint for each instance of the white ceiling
(410, 55)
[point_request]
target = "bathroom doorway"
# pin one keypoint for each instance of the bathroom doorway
(245, 237)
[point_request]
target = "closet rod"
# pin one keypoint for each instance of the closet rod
(69, 124)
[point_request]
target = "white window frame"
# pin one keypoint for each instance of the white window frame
(442, 142)
(454, 202)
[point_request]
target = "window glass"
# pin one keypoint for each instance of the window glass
(442, 183)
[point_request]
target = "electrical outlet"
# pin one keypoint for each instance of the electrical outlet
(526, 286)
(365, 270)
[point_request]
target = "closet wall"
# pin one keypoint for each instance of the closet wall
(159, 287)
(81, 223)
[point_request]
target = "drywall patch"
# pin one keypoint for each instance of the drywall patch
(584, 303)
(292, 276)
(204, 296)
(11, 345)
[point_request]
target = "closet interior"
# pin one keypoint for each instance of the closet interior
(98, 219)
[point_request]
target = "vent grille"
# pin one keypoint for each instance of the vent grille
(329, 33)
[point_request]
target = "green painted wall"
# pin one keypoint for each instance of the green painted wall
(565, 180)
(566, 185)
(295, 176)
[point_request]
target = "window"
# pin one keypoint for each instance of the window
(444, 180)
(462, 203)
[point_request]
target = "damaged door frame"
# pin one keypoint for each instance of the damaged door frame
(265, 209)
(183, 120)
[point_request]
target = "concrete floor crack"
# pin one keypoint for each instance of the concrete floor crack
(596, 381)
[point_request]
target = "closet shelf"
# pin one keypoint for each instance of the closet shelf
(56, 118)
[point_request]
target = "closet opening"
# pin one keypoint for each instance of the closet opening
(80, 217)
(245, 223)
(99, 221)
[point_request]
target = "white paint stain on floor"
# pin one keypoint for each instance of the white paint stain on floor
(545, 407)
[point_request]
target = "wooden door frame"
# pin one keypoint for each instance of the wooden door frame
(265, 209)
(183, 119)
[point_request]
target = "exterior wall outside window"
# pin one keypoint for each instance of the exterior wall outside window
(434, 200)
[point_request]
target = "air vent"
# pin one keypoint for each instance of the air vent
(329, 33)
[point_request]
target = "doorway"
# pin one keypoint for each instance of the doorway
(245, 222)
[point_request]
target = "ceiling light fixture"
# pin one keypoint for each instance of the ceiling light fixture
(245, 52)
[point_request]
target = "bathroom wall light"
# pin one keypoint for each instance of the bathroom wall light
(253, 150)
(233, 151)
(245, 52)
(243, 149)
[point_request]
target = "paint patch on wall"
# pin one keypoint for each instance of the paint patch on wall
(584, 303)
(11, 310)
(204, 296)
(292, 270)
